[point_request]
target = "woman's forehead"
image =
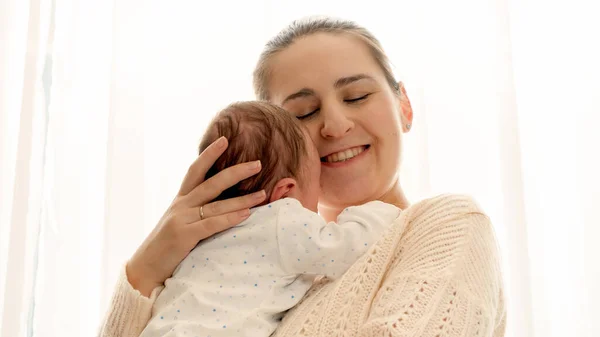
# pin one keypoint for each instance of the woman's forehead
(317, 61)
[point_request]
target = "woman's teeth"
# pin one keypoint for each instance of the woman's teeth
(345, 155)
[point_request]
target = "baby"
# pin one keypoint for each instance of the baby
(240, 282)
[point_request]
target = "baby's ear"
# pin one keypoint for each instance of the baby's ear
(286, 187)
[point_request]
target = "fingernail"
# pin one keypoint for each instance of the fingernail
(244, 213)
(220, 143)
(255, 165)
(259, 195)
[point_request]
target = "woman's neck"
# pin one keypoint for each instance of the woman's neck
(394, 196)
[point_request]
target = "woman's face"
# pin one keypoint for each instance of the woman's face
(335, 87)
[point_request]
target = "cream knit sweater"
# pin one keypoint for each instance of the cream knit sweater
(434, 273)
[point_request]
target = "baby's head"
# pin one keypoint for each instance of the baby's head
(261, 131)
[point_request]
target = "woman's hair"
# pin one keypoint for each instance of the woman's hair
(257, 131)
(305, 27)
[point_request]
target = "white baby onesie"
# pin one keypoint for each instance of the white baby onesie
(240, 282)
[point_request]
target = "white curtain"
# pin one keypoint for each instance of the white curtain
(102, 104)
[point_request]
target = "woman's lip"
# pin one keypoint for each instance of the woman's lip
(348, 161)
(342, 150)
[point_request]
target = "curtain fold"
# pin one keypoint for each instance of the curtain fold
(23, 130)
(67, 298)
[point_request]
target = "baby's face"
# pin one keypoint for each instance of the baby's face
(310, 186)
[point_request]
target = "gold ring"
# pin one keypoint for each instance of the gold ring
(201, 213)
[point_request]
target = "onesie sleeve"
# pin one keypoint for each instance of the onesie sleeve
(310, 245)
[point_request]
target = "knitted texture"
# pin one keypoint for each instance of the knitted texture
(434, 273)
(438, 277)
(129, 310)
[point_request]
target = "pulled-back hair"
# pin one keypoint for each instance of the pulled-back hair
(257, 131)
(313, 25)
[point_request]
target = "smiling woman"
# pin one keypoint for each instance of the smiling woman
(434, 272)
(343, 95)
(506, 108)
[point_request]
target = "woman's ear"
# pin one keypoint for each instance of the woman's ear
(286, 187)
(406, 108)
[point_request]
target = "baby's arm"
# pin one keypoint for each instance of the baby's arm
(310, 245)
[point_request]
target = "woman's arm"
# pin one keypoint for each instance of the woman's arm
(129, 310)
(445, 278)
(175, 235)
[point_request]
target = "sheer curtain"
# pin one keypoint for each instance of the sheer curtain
(102, 105)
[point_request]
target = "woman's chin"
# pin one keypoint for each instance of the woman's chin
(344, 195)
(340, 191)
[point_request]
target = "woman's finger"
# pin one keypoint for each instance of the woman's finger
(203, 229)
(211, 188)
(194, 214)
(197, 171)
(231, 205)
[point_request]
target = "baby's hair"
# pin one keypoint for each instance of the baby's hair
(257, 131)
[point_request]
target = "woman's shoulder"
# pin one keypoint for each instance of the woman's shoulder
(451, 235)
(451, 204)
(442, 233)
(451, 221)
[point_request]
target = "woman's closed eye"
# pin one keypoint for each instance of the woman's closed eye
(308, 115)
(356, 99)
(353, 100)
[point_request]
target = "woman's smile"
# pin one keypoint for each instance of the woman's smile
(345, 157)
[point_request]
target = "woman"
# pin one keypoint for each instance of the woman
(435, 272)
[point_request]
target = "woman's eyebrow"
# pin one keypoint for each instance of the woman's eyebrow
(340, 82)
(301, 93)
(344, 81)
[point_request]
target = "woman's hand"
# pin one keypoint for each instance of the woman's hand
(181, 227)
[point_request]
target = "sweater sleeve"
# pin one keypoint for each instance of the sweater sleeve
(310, 245)
(444, 279)
(129, 311)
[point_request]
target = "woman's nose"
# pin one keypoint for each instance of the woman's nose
(335, 123)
